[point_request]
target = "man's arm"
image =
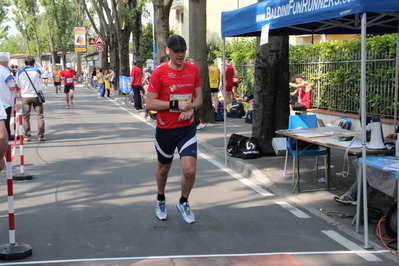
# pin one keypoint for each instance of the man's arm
(300, 85)
(197, 97)
(11, 83)
(294, 93)
(154, 104)
(197, 102)
(39, 66)
(3, 143)
(392, 136)
(220, 76)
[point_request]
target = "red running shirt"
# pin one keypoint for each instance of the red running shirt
(136, 74)
(229, 75)
(305, 97)
(172, 84)
(68, 76)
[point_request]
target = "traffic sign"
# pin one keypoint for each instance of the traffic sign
(92, 40)
(100, 40)
(99, 49)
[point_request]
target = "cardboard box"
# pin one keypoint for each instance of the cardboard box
(279, 145)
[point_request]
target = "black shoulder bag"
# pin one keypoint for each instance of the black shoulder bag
(40, 95)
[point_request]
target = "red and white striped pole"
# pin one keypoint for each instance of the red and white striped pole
(22, 175)
(15, 116)
(12, 250)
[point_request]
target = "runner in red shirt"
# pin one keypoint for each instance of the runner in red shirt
(135, 83)
(68, 76)
(230, 73)
(175, 91)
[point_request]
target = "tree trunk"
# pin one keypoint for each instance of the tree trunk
(52, 49)
(138, 39)
(198, 51)
(271, 97)
(114, 58)
(161, 27)
(124, 53)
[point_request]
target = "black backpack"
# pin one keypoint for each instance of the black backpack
(235, 141)
(249, 149)
(236, 110)
(265, 147)
(219, 115)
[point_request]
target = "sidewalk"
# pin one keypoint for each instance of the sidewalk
(268, 172)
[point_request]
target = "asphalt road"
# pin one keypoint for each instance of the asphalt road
(92, 202)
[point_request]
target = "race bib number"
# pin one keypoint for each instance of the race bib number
(179, 97)
(69, 80)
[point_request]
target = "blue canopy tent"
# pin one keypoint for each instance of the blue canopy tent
(298, 17)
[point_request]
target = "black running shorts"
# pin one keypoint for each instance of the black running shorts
(182, 138)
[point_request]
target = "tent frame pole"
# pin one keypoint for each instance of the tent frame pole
(363, 108)
(224, 100)
(396, 80)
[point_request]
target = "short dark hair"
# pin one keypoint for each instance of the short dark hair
(210, 61)
(30, 60)
(163, 58)
(135, 62)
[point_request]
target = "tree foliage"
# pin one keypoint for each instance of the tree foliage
(147, 42)
(239, 50)
(4, 4)
(13, 44)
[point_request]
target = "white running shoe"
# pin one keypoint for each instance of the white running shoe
(201, 126)
(187, 215)
(160, 210)
(346, 199)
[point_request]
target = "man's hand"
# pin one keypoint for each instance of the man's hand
(186, 115)
(185, 106)
(393, 136)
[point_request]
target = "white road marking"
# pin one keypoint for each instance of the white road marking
(201, 256)
(350, 245)
(298, 213)
(239, 177)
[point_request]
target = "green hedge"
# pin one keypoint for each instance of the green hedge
(333, 68)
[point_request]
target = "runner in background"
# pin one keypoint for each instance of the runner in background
(68, 75)
(57, 80)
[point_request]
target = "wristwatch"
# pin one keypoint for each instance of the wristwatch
(194, 106)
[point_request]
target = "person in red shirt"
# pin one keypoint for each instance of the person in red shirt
(230, 73)
(174, 92)
(68, 76)
(135, 83)
(304, 91)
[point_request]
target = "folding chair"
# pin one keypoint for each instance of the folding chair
(303, 121)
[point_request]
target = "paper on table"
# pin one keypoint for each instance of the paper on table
(355, 145)
(392, 167)
(310, 134)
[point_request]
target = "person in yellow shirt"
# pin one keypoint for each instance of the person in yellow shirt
(100, 80)
(214, 82)
(107, 81)
(57, 80)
